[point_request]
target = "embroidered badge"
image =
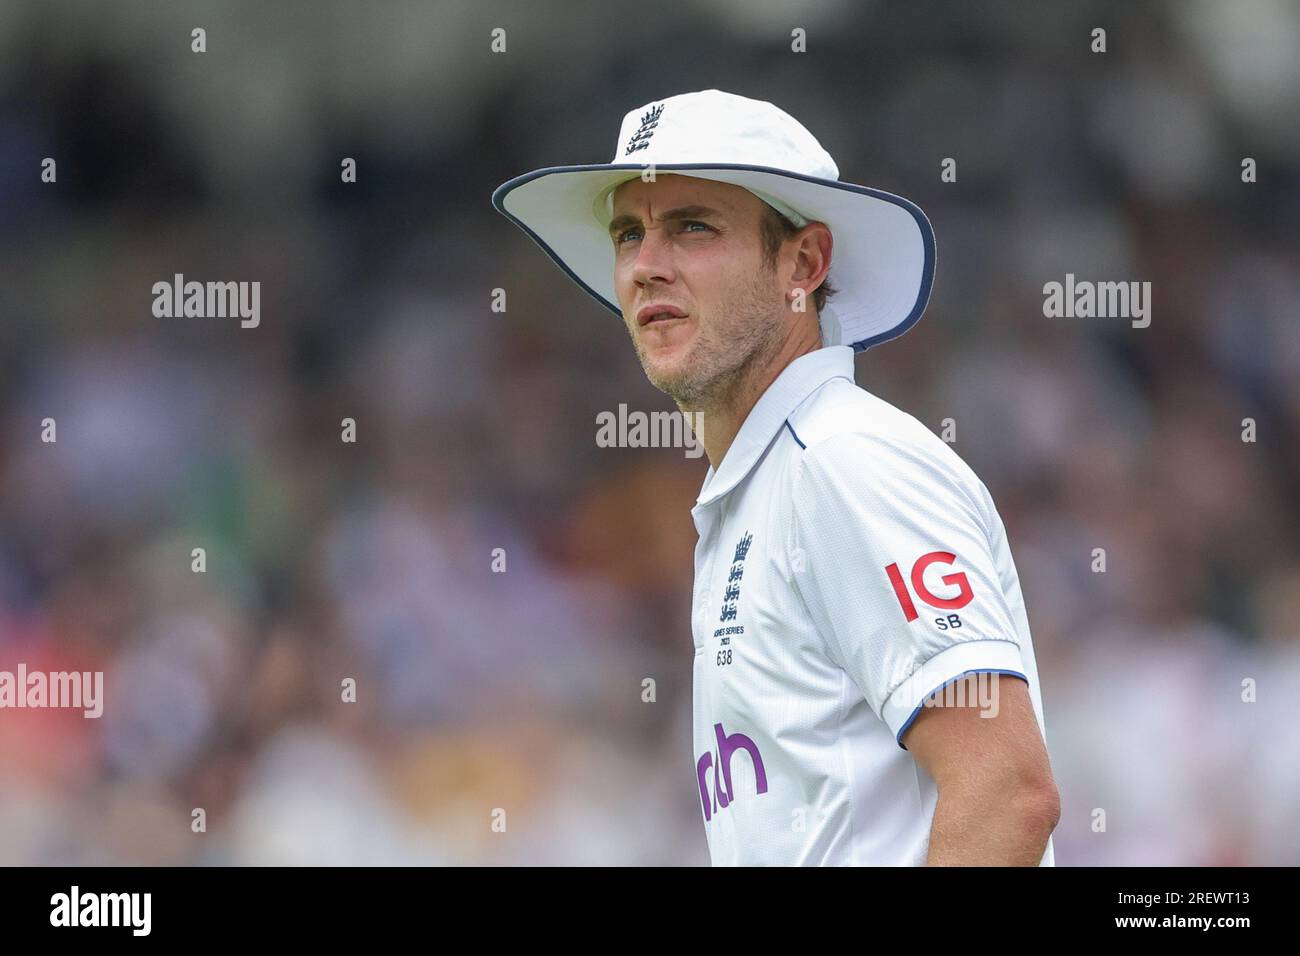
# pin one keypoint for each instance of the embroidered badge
(641, 138)
(731, 596)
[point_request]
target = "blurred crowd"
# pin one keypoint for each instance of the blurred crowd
(540, 714)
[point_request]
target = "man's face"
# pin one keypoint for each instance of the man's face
(693, 246)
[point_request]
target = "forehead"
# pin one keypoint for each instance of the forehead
(669, 189)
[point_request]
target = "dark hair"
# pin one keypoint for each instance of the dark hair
(774, 228)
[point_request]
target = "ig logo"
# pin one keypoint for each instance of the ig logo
(957, 579)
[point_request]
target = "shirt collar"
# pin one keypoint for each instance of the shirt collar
(796, 382)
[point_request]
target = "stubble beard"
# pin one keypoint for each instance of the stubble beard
(725, 354)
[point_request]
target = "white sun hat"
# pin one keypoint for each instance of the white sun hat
(883, 257)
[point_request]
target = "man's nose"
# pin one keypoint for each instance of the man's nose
(654, 261)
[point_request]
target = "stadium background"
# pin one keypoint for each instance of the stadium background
(476, 429)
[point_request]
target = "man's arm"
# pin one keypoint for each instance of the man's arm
(998, 803)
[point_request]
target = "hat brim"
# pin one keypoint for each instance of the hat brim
(882, 264)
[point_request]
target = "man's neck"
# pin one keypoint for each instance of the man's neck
(721, 420)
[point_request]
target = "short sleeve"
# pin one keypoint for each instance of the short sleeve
(893, 562)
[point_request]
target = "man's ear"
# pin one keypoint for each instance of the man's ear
(811, 251)
(813, 246)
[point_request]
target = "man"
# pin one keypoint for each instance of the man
(865, 690)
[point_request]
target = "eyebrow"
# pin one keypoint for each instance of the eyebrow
(619, 223)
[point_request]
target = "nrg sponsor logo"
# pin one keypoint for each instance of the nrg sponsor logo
(723, 791)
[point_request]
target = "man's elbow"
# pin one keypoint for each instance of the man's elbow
(1037, 804)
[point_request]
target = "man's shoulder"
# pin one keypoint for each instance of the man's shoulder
(843, 424)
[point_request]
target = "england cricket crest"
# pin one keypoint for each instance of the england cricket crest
(731, 596)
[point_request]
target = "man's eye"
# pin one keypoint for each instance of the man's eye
(634, 232)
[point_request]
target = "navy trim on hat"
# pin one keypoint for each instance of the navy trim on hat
(927, 231)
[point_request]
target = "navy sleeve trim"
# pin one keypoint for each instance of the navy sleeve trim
(976, 670)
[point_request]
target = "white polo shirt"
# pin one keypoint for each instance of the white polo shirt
(849, 564)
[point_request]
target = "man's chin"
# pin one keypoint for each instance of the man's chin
(669, 377)
(676, 370)
(666, 365)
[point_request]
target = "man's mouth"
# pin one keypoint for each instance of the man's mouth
(658, 312)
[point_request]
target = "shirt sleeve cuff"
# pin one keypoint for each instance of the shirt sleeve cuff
(983, 656)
